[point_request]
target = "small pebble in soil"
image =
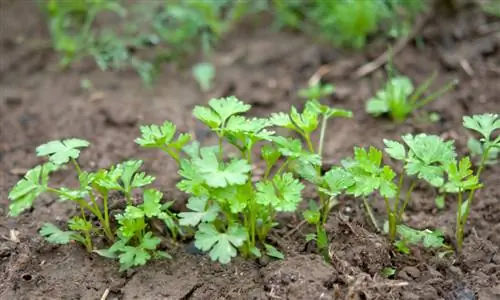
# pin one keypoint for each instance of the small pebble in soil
(463, 293)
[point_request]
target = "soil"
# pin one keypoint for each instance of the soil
(40, 102)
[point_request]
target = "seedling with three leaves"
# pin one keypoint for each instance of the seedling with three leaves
(231, 209)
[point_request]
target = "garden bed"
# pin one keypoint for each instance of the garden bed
(39, 103)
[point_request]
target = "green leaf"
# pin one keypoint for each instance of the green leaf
(283, 193)
(428, 238)
(60, 152)
(440, 202)
(154, 136)
(485, 124)
(222, 246)
(461, 177)
(338, 180)
(316, 91)
(236, 197)
(131, 178)
(376, 107)
(24, 193)
(79, 224)
(270, 154)
(389, 272)
(138, 256)
(369, 175)
(305, 170)
(326, 111)
(199, 212)
(219, 111)
(55, 235)
(273, 252)
(312, 215)
(217, 174)
(151, 205)
(395, 150)
(248, 131)
(293, 148)
(307, 121)
(204, 74)
(193, 182)
(428, 157)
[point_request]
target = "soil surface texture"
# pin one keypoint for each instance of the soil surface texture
(40, 102)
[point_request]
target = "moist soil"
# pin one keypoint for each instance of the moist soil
(40, 102)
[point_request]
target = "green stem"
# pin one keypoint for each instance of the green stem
(370, 214)
(106, 211)
(322, 135)
(406, 201)
(282, 167)
(77, 167)
(462, 219)
(459, 231)
(392, 219)
(398, 194)
(88, 240)
(434, 95)
(309, 143)
(172, 154)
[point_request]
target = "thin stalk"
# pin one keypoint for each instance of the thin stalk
(309, 143)
(88, 240)
(172, 154)
(391, 219)
(463, 218)
(282, 167)
(322, 135)
(434, 95)
(370, 214)
(106, 211)
(406, 201)
(398, 194)
(459, 231)
(77, 167)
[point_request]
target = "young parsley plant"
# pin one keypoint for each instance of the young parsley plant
(233, 211)
(399, 99)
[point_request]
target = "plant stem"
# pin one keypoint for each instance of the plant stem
(459, 231)
(462, 219)
(370, 214)
(282, 167)
(392, 219)
(88, 240)
(406, 201)
(398, 194)
(77, 167)
(322, 135)
(172, 154)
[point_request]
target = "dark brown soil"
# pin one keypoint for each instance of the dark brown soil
(39, 102)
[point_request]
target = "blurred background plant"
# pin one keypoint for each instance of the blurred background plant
(144, 34)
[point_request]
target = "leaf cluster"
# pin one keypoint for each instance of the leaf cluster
(231, 209)
(400, 98)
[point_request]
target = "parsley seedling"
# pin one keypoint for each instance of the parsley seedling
(136, 244)
(232, 210)
(461, 177)
(425, 158)
(93, 186)
(399, 98)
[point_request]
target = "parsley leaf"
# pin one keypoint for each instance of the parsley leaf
(428, 156)
(222, 246)
(60, 152)
(219, 111)
(199, 212)
(283, 193)
(26, 190)
(293, 148)
(337, 180)
(217, 174)
(369, 175)
(154, 136)
(485, 124)
(461, 177)
(55, 235)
